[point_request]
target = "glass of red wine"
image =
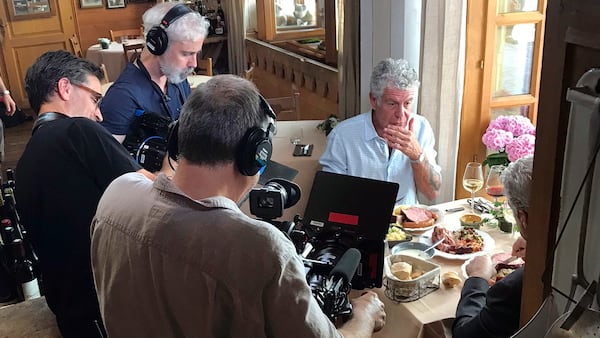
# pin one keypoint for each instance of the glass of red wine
(493, 184)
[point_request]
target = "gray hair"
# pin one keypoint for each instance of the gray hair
(391, 73)
(517, 183)
(190, 27)
(216, 117)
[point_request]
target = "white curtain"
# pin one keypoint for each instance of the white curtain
(442, 81)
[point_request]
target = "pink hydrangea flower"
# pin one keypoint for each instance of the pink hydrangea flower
(496, 139)
(519, 125)
(521, 146)
(512, 134)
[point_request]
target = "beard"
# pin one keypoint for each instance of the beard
(174, 75)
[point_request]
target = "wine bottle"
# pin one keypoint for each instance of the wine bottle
(10, 178)
(10, 212)
(27, 283)
(8, 232)
(8, 290)
(200, 7)
(220, 27)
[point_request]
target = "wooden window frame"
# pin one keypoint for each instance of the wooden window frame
(267, 28)
(478, 102)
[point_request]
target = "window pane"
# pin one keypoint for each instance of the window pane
(514, 51)
(292, 15)
(517, 110)
(512, 6)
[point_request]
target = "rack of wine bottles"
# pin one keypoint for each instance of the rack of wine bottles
(20, 278)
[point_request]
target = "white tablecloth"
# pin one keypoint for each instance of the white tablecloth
(432, 315)
(112, 57)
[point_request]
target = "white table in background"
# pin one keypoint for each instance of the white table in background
(112, 57)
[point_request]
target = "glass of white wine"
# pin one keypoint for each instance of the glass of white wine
(473, 180)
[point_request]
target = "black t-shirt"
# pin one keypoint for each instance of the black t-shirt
(65, 168)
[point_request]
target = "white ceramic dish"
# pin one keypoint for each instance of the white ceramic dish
(488, 246)
(436, 211)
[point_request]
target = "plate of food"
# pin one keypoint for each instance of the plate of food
(417, 218)
(463, 243)
(503, 264)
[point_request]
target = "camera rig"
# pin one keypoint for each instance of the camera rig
(331, 255)
(147, 138)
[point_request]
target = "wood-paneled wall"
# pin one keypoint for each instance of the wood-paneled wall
(94, 23)
(277, 71)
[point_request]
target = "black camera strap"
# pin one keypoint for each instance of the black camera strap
(45, 118)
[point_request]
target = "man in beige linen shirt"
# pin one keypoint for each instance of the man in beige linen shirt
(178, 258)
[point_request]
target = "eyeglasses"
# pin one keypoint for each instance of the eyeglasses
(96, 97)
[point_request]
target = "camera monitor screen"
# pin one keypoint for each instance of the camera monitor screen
(351, 204)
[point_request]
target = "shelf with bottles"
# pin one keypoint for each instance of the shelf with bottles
(214, 13)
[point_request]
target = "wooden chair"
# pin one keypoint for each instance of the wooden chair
(116, 35)
(136, 48)
(76, 46)
(248, 74)
(104, 73)
(204, 67)
(286, 107)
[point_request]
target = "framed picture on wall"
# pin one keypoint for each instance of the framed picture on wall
(91, 3)
(25, 10)
(115, 3)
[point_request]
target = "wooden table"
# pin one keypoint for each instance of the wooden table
(112, 57)
(432, 315)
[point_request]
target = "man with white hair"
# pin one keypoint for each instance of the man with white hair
(156, 82)
(389, 142)
(485, 311)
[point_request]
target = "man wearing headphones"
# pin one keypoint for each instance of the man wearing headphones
(156, 83)
(194, 263)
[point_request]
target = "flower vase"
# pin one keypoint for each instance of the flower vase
(505, 225)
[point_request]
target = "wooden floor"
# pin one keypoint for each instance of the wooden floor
(15, 140)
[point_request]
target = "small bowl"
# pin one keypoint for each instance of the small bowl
(414, 249)
(408, 237)
(471, 221)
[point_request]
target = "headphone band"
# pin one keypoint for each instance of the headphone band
(173, 14)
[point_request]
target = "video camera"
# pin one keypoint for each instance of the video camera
(330, 259)
(147, 139)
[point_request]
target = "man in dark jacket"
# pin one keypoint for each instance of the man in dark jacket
(66, 166)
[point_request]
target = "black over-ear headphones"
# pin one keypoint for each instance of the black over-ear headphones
(157, 39)
(254, 150)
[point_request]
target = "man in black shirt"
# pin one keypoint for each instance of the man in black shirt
(66, 166)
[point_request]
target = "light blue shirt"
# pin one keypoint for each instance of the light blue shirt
(354, 148)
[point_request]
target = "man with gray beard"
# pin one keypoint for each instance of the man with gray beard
(156, 83)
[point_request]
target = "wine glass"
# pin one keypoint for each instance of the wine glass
(493, 184)
(473, 180)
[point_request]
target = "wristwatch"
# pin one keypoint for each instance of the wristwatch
(420, 159)
(6, 92)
